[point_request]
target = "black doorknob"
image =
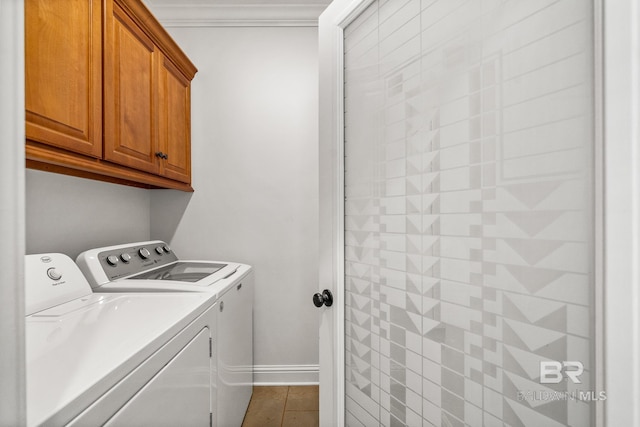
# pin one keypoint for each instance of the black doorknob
(325, 298)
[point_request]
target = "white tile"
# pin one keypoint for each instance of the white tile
(458, 247)
(535, 21)
(502, 83)
(395, 150)
(492, 402)
(394, 242)
(473, 392)
(395, 133)
(459, 224)
(431, 412)
(552, 78)
(573, 257)
(557, 106)
(394, 297)
(459, 316)
(431, 371)
(455, 179)
(414, 342)
(412, 417)
(579, 320)
(454, 157)
(431, 350)
(459, 293)
(357, 404)
(402, 18)
(565, 162)
(563, 44)
(472, 415)
(395, 56)
(454, 111)
(390, 7)
(394, 260)
(414, 403)
(393, 223)
(455, 133)
(554, 136)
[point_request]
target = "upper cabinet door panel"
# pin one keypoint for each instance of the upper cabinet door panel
(63, 74)
(130, 94)
(175, 122)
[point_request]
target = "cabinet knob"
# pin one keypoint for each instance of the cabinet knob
(162, 155)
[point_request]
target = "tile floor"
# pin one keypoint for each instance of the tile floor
(283, 406)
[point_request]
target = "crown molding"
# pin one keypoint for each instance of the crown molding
(272, 15)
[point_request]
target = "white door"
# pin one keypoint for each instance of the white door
(459, 221)
(331, 271)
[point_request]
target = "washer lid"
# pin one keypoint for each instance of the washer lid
(189, 271)
(78, 350)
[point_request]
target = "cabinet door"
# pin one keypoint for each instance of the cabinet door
(175, 123)
(130, 79)
(63, 74)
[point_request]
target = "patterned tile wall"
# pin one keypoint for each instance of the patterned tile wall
(469, 235)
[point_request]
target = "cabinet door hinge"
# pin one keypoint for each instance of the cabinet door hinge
(210, 347)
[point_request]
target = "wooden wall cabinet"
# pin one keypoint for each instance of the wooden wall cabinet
(63, 73)
(107, 94)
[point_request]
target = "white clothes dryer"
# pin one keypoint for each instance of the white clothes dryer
(153, 266)
(118, 359)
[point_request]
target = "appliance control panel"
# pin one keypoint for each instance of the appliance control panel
(52, 279)
(122, 262)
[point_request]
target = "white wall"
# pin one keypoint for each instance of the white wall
(69, 215)
(255, 175)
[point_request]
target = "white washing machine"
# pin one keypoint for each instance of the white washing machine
(114, 359)
(153, 267)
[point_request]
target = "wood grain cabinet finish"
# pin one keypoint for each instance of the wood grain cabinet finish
(130, 94)
(175, 122)
(123, 94)
(63, 74)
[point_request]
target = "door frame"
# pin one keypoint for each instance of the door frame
(12, 214)
(617, 212)
(331, 25)
(621, 204)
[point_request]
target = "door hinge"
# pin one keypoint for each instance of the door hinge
(210, 347)
(210, 419)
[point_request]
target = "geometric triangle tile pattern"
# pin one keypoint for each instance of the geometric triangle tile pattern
(468, 237)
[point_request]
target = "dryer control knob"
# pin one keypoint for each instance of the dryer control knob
(54, 274)
(166, 248)
(144, 253)
(112, 260)
(159, 250)
(125, 257)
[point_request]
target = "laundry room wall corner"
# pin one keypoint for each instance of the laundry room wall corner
(168, 207)
(255, 176)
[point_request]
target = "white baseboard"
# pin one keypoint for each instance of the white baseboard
(270, 375)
